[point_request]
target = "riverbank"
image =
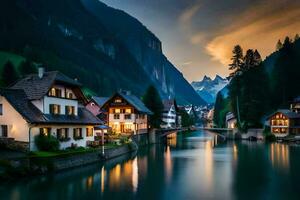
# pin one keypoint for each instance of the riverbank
(46, 162)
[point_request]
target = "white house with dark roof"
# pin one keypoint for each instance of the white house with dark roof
(169, 115)
(46, 103)
(127, 114)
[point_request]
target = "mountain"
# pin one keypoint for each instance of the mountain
(104, 48)
(208, 88)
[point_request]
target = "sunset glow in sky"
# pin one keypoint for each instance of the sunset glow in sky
(198, 35)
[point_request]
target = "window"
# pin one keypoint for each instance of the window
(77, 133)
(118, 100)
(45, 131)
(54, 109)
(70, 95)
(62, 134)
(4, 130)
(55, 92)
(1, 109)
(116, 116)
(117, 110)
(89, 132)
(70, 110)
(128, 110)
(127, 116)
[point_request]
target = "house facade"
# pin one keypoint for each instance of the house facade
(126, 114)
(169, 115)
(48, 103)
(231, 121)
(285, 122)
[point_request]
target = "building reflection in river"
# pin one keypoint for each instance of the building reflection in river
(279, 156)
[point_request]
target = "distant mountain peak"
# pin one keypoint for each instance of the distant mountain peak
(208, 88)
(206, 78)
(219, 78)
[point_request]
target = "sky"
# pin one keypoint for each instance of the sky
(198, 35)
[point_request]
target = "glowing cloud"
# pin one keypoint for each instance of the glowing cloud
(261, 33)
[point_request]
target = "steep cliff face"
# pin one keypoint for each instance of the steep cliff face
(147, 50)
(106, 49)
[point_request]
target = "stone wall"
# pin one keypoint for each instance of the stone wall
(66, 162)
(10, 143)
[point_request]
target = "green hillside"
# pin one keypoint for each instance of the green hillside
(14, 58)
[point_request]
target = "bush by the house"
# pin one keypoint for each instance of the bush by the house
(46, 143)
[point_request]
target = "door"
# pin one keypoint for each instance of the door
(122, 128)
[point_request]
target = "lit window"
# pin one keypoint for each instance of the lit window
(70, 95)
(117, 110)
(45, 131)
(89, 132)
(118, 100)
(54, 109)
(128, 110)
(54, 92)
(1, 109)
(70, 110)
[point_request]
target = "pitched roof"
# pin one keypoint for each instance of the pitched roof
(132, 100)
(100, 100)
(18, 99)
(135, 102)
(168, 103)
(36, 88)
(287, 113)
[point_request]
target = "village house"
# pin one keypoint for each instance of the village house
(285, 122)
(169, 115)
(46, 103)
(95, 105)
(127, 114)
(231, 121)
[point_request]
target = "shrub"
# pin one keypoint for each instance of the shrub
(46, 143)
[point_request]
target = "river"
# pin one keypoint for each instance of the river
(190, 166)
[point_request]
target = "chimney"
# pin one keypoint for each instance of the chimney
(41, 72)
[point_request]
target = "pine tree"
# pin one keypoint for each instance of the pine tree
(9, 74)
(287, 42)
(153, 101)
(279, 45)
(27, 67)
(249, 60)
(296, 37)
(237, 61)
(257, 58)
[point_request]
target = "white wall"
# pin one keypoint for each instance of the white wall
(63, 145)
(62, 102)
(17, 125)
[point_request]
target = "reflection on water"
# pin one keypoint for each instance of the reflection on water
(188, 166)
(279, 156)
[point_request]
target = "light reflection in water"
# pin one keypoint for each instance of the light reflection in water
(279, 155)
(172, 140)
(168, 164)
(135, 174)
(89, 182)
(102, 179)
(208, 163)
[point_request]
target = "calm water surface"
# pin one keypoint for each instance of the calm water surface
(191, 166)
